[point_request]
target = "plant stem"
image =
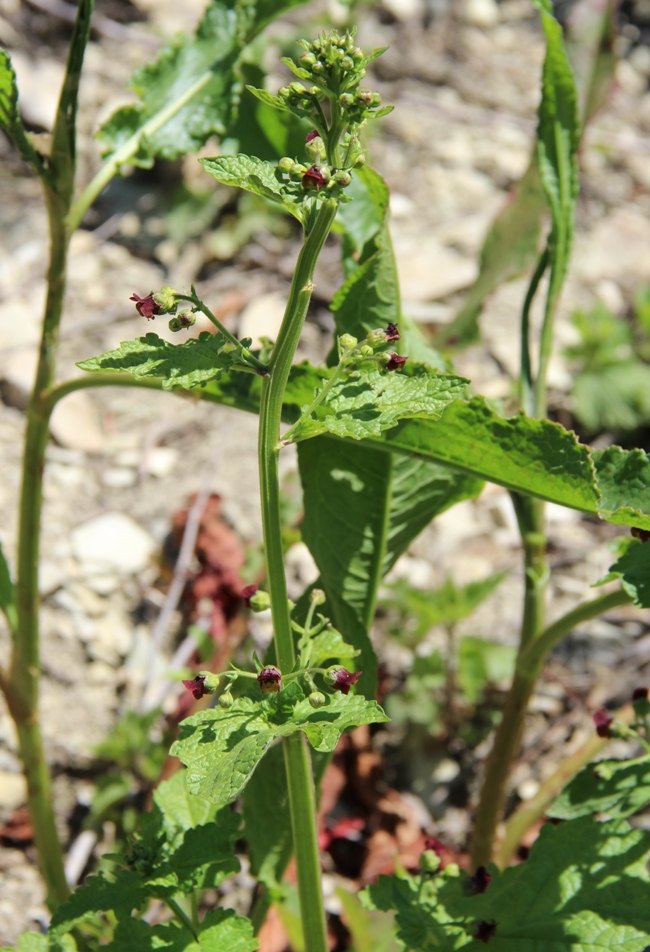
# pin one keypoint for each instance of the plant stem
(527, 384)
(182, 916)
(251, 359)
(507, 739)
(298, 765)
(530, 811)
(530, 518)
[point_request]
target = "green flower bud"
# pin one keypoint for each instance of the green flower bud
(348, 342)
(314, 91)
(342, 178)
(260, 601)
(360, 161)
(347, 63)
(316, 699)
(297, 88)
(284, 93)
(184, 320)
(165, 299)
(429, 861)
(318, 596)
(377, 336)
(346, 100)
(366, 351)
(307, 60)
(317, 68)
(357, 56)
(286, 164)
(315, 149)
(226, 699)
(364, 96)
(297, 171)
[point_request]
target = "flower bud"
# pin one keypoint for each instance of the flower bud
(341, 679)
(205, 682)
(297, 88)
(226, 699)
(166, 300)
(318, 597)
(286, 164)
(366, 350)
(317, 68)
(640, 702)
(315, 149)
(307, 60)
(346, 100)
(348, 342)
(347, 63)
(314, 91)
(342, 178)
(259, 601)
(182, 321)
(376, 336)
(360, 161)
(429, 862)
(364, 96)
(357, 55)
(296, 171)
(316, 699)
(603, 722)
(270, 679)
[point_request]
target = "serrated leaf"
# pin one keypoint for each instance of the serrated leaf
(623, 486)
(619, 788)
(370, 297)
(361, 218)
(633, 569)
(330, 647)
(180, 810)
(121, 896)
(220, 931)
(268, 99)
(10, 120)
(448, 604)
(253, 175)
(583, 888)
(191, 364)
(367, 400)
(221, 748)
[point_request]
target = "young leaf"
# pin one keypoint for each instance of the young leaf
(582, 888)
(100, 895)
(329, 647)
(221, 931)
(180, 810)
(10, 120)
(222, 747)
(190, 364)
(370, 297)
(482, 662)
(619, 788)
(447, 604)
(253, 175)
(367, 400)
(633, 569)
(623, 486)
(7, 594)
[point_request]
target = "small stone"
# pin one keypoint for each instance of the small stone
(262, 317)
(160, 461)
(528, 789)
(481, 13)
(13, 790)
(119, 477)
(51, 576)
(17, 377)
(75, 423)
(428, 270)
(112, 542)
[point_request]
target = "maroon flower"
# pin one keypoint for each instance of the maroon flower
(603, 722)
(312, 135)
(480, 881)
(247, 593)
(314, 178)
(197, 687)
(392, 332)
(439, 848)
(342, 679)
(395, 361)
(640, 694)
(270, 679)
(484, 930)
(146, 306)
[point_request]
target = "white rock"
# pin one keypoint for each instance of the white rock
(481, 13)
(75, 423)
(160, 461)
(119, 477)
(617, 249)
(51, 575)
(39, 81)
(301, 568)
(428, 270)
(17, 374)
(112, 542)
(528, 789)
(262, 317)
(13, 790)
(404, 9)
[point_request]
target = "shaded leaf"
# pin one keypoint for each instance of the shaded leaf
(10, 120)
(447, 604)
(221, 931)
(190, 364)
(367, 400)
(120, 896)
(633, 569)
(268, 832)
(253, 175)
(222, 747)
(582, 889)
(619, 788)
(482, 662)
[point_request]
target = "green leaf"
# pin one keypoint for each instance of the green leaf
(583, 888)
(10, 120)
(330, 647)
(120, 896)
(268, 832)
(7, 593)
(616, 397)
(253, 175)
(446, 605)
(482, 662)
(619, 788)
(370, 297)
(202, 61)
(181, 811)
(623, 486)
(220, 931)
(367, 400)
(222, 747)
(633, 569)
(190, 364)
(509, 249)
(362, 218)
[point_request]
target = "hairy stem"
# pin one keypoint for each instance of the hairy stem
(298, 765)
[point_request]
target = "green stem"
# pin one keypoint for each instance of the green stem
(129, 149)
(297, 761)
(250, 358)
(530, 518)
(182, 916)
(508, 735)
(527, 385)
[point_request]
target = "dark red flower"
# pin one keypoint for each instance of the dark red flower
(247, 593)
(431, 843)
(342, 679)
(146, 306)
(480, 881)
(197, 687)
(484, 930)
(312, 135)
(392, 332)
(395, 362)
(603, 722)
(314, 178)
(640, 694)
(641, 534)
(270, 679)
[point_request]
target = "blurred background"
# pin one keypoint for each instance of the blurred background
(129, 473)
